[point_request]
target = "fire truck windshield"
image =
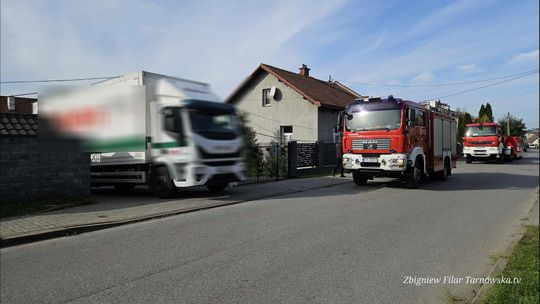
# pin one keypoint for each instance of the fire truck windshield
(387, 119)
(475, 131)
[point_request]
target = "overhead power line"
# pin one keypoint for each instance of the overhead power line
(56, 80)
(489, 85)
(439, 84)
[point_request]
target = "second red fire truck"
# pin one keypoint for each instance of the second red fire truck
(397, 138)
(485, 141)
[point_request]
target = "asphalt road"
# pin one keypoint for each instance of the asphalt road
(343, 244)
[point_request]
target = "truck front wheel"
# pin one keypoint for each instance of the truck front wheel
(468, 159)
(359, 178)
(413, 179)
(162, 184)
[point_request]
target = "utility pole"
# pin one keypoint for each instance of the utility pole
(508, 124)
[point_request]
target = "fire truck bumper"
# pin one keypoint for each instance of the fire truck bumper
(384, 162)
(481, 151)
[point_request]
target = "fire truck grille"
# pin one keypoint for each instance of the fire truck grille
(481, 142)
(371, 144)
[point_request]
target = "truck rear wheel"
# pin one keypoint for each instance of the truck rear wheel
(359, 178)
(161, 183)
(510, 158)
(443, 175)
(413, 179)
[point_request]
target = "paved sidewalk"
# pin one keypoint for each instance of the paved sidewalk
(113, 208)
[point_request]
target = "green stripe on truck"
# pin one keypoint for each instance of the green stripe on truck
(126, 144)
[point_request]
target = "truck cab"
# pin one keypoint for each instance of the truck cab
(199, 142)
(484, 141)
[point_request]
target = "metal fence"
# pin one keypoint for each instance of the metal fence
(267, 162)
(272, 161)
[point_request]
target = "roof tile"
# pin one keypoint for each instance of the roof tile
(13, 124)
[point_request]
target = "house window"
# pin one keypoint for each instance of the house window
(266, 98)
(286, 133)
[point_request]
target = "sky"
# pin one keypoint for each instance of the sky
(416, 50)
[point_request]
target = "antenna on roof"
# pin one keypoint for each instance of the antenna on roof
(329, 78)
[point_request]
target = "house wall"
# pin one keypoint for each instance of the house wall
(292, 109)
(327, 120)
(26, 173)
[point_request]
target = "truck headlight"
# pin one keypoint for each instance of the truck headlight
(398, 161)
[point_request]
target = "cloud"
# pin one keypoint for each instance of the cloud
(205, 41)
(531, 56)
(468, 68)
(423, 78)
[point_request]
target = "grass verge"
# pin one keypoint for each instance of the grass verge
(522, 264)
(26, 207)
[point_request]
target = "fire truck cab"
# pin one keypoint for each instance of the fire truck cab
(397, 138)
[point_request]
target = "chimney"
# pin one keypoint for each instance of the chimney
(304, 70)
(11, 103)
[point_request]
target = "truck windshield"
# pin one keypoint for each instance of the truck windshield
(374, 120)
(214, 125)
(474, 131)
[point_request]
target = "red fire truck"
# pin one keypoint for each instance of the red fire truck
(484, 141)
(398, 138)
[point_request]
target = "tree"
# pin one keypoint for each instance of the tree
(253, 152)
(463, 119)
(482, 112)
(516, 125)
(489, 112)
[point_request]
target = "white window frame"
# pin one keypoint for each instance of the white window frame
(266, 100)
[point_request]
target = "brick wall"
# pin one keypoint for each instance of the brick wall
(22, 105)
(26, 173)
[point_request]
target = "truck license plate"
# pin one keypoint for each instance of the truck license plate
(370, 159)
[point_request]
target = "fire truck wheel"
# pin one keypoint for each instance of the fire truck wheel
(468, 159)
(359, 178)
(161, 183)
(510, 158)
(414, 178)
(443, 175)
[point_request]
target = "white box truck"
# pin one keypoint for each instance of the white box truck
(149, 129)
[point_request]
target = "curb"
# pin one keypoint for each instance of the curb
(503, 260)
(74, 230)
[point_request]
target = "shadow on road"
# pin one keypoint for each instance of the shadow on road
(471, 181)
(110, 199)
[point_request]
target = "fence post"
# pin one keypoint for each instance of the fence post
(257, 159)
(292, 155)
(320, 154)
(277, 161)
